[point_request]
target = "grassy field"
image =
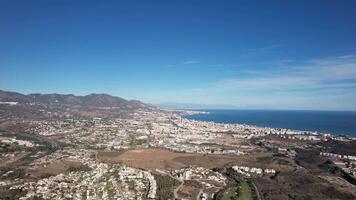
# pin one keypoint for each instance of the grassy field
(231, 193)
(245, 191)
(241, 192)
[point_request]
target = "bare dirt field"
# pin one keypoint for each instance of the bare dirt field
(54, 168)
(109, 156)
(148, 159)
(151, 159)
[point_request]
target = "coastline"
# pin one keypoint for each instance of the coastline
(189, 113)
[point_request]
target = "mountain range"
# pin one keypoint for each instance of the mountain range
(91, 100)
(13, 104)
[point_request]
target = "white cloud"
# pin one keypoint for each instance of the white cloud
(312, 74)
(190, 62)
(328, 83)
(187, 62)
(266, 48)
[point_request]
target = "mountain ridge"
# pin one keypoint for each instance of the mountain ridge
(90, 100)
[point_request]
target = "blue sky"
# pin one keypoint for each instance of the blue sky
(243, 54)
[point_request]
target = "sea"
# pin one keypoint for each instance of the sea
(333, 122)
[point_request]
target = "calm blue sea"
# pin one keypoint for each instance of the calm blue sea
(334, 122)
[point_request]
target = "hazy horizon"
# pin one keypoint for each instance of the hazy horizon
(190, 106)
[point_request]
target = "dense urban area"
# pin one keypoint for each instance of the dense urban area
(103, 147)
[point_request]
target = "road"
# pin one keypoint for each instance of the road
(175, 192)
(257, 192)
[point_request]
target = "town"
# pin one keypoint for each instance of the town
(84, 169)
(135, 151)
